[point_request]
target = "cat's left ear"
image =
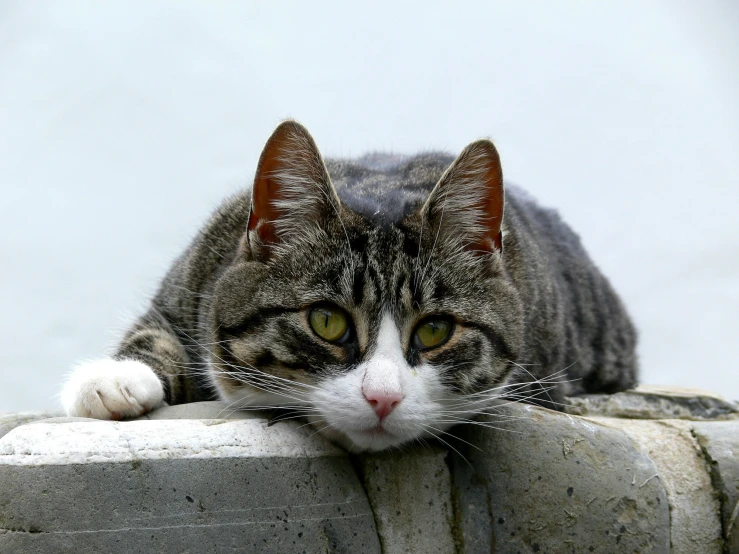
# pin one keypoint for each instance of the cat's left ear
(466, 205)
(292, 194)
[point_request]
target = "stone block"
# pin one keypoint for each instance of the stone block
(202, 478)
(720, 444)
(652, 402)
(8, 422)
(695, 525)
(411, 496)
(543, 481)
(179, 486)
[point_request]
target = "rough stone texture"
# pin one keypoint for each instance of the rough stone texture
(651, 402)
(8, 422)
(179, 486)
(411, 497)
(539, 481)
(557, 483)
(720, 444)
(694, 508)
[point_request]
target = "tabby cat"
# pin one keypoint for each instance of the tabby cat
(384, 299)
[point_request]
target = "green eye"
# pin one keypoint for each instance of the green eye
(432, 333)
(329, 322)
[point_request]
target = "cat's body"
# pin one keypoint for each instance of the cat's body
(396, 261)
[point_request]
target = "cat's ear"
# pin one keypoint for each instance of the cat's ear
(466, 205)
(292, 191)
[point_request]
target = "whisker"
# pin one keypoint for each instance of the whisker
(484, 424)
(453, 436)
(447, 444)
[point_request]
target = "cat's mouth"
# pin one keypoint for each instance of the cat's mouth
(377, 431)
(371, 439)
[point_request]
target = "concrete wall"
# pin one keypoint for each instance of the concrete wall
(648, 471)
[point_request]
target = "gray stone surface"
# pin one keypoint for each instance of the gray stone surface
(557, 483)
(695, 525)
(411, 497)
(651, 402)
(8, 422)
(179, 486)
(720, 443)
(201, 478)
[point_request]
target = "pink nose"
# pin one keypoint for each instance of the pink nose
(382, 403)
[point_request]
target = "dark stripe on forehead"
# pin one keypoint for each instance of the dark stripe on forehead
(440, 290)
(358, 287)
(410, 247)
(416, 288)
(376, 280)
(400, 283)
(358, 242)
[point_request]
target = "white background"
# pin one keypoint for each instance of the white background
(122, 125)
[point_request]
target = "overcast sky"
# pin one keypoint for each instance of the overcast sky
(122, 125)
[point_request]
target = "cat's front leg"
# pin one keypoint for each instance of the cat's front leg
(150, 368)
(112, 389)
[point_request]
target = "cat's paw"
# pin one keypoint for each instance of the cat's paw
(112, 389)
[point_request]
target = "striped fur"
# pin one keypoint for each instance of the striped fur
(394, 239)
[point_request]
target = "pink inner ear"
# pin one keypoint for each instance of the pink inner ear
(266, 190)
(491, 203)
(494, 209)
(263, 213)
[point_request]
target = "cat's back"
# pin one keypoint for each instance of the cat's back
(387, 187)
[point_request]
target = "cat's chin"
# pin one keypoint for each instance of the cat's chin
(364, 441)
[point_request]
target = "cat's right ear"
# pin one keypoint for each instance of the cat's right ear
(292, 193)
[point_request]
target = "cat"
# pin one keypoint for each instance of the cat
(383, 299)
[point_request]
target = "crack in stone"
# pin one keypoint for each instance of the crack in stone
(732, 520)
(717, 484)
(357, 466)
(33, 530)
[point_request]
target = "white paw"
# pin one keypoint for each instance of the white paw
(112, 389)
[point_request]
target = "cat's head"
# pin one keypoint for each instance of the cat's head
(379, 332)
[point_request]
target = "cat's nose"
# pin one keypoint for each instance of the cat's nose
(382, 403)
